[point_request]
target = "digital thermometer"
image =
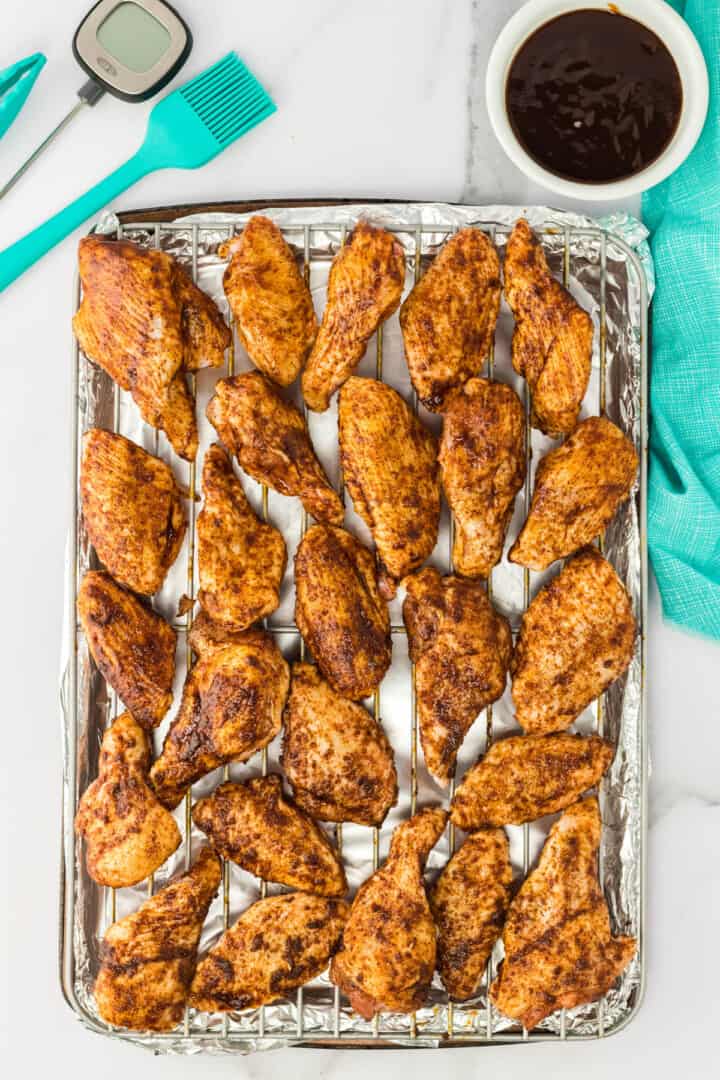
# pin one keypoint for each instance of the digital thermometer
(128, 48)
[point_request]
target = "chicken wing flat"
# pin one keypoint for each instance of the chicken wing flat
(461, 650)
(387, 957)
(335, 754)
(270, 439)
(127, 833)
(448, 320)
(469, 903)
(241, 559)
(552, 343)
(577, 637)
(482, 464)
(132, 510)
(277, 945)
(578, 488)
(559, 948)
(133, 646)
(364, 289)
(271, 302)
(257, 827)
(339, 610)
(145, 323)
(390, 466)
(147, 959)
(231, 707)
(527, 776)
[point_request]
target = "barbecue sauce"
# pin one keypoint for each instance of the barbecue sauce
(594, 96)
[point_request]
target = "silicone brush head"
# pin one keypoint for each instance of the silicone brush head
(197, 121)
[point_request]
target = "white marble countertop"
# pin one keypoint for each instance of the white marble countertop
(394, 78)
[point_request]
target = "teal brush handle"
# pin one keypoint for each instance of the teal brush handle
(16, 259)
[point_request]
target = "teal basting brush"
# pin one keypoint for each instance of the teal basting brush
(186, 129)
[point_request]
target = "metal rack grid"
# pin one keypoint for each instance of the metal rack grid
(236, 1034)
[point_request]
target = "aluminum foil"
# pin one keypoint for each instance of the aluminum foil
(607, 279)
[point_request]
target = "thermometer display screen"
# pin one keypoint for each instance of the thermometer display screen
(133, 36)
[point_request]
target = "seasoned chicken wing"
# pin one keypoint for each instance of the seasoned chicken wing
(133, 646)
(339, 610)
(335, 754)
(127, 833)
(231, 707)
(270, 439)
(527, 776)
(132, 509)
(390, 466)
(559, 948)
(241, 559)
(482, 464)
(364, 289)
(578, 488)
(277, 945)
(552, 343)
(257, 827)
(144, 322)
(461, 650)
(387, 957)
(469, 902)
(271, 302)
(448, 320)
(576, 638)
(147, 959)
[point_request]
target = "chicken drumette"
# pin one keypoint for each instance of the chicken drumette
(270, 439)
(390, 466)
(364, 289)
(482, 464)
(387, 957)
(241, 560)
(271, 303)
(559, 948)
(461, 648)
(552, 343)
(448, 320)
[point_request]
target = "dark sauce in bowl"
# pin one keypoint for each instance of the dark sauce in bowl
(594, 96)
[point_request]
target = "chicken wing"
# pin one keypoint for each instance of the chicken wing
(578, 488)
(277, 945)
(469, 903)
(527, 776)
(255, 826)
(271, 302)
(128, 834)
(576, 638)
(335, 754)
(390, 466)
(387, 957)
(559, 947)
(231, 707)
(339, 610)
(448, 320)
(145, 323)
(461, 648)
(133, 646)
(552, 343)
(482, 464)
(147, 959)
(364, 289)
(270, 439)
(132, 509)
(241, 560)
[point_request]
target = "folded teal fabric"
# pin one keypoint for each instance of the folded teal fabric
(683, 215)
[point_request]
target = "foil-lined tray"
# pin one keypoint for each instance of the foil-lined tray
(606, 276)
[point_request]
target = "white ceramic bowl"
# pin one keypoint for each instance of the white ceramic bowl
(679, 40)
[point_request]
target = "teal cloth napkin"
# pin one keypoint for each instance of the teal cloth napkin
(683, 214)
